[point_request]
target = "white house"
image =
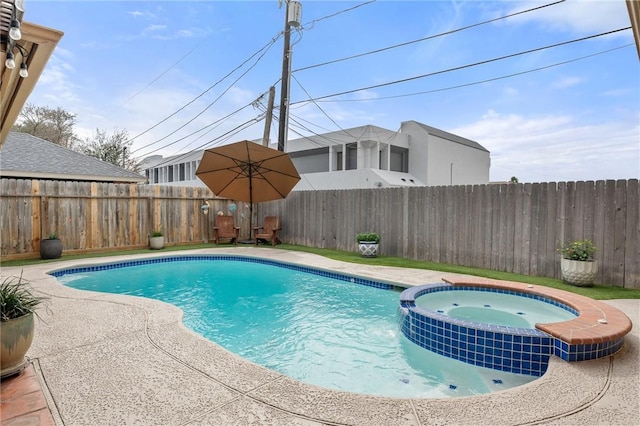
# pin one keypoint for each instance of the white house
(360, 157)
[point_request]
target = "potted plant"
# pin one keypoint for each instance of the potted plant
(17, 307)
(577, 264)
(368, 243)
(51, 247)
(156, 241)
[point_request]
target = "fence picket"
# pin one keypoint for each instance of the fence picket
(511, 227)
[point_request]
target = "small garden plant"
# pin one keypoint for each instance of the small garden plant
(16, 299)
(578, 250)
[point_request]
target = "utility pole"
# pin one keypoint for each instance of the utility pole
(268, 117)
(292, 18)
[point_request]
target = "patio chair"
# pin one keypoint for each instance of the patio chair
(269, 232)
(225, 228)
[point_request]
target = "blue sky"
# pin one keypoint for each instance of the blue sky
(160, 70)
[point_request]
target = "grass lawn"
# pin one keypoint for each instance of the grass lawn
(600, 292)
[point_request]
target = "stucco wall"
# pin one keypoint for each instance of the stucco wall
(449, 163)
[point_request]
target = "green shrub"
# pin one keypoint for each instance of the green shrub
(16, 299)
(368, 237)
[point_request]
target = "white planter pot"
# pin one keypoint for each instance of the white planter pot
(156, 243)
(368, 248)
(16, 336)
(579, 272)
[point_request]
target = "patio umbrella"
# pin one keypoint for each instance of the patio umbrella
(247, 171)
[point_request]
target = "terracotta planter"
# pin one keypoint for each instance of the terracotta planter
(16, 336)
(156, 243)
(368, 248)
(50, 249)
(579, 272)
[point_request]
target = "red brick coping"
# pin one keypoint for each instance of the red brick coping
(596, 323)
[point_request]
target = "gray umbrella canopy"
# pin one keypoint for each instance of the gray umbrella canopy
(247, 171)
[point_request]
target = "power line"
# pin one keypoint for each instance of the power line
(426, 38)
(163, 73)
(302, 103)
(312, 23)
(264, 48)
(214, 101)
(318, 106)
(404, 80)
(213, 142)
(313, 124)
(214, 124)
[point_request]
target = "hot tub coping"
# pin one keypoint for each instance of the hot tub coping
(596, 322)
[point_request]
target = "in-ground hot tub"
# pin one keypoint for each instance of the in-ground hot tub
(509, 326)
(487, 306)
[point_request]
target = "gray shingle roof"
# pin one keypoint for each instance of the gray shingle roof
(25, 156)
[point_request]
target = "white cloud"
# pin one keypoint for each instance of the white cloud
(556, 148)
(56, 80)
(577, 16)
(156, 27)
(141, 14)
(240, 96)
(365, 94)
(568, 82)
(511, 91)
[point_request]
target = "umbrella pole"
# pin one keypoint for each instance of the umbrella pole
(250, 201)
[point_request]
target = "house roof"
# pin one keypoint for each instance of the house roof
(38, 43)
(27, 157)
(633, 7)
(450, 136)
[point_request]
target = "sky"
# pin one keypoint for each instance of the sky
(183, 75)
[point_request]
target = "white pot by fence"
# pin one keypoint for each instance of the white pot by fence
(368, 248)
(579, 272)
(156, 243)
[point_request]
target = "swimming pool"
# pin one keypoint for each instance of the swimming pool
(312, 325)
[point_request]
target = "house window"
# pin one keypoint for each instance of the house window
(399, 159)
(181, 172)
(339, 160)
(155, 176)
(170, 170)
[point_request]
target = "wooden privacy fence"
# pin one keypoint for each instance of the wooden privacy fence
(96, 216)
(508, 227)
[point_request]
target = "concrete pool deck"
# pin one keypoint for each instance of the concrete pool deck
(107, 359)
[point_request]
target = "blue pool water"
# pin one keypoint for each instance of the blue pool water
(320, 330)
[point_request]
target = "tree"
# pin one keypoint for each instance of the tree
(514, 179)
(114, 149)
(53, 125)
